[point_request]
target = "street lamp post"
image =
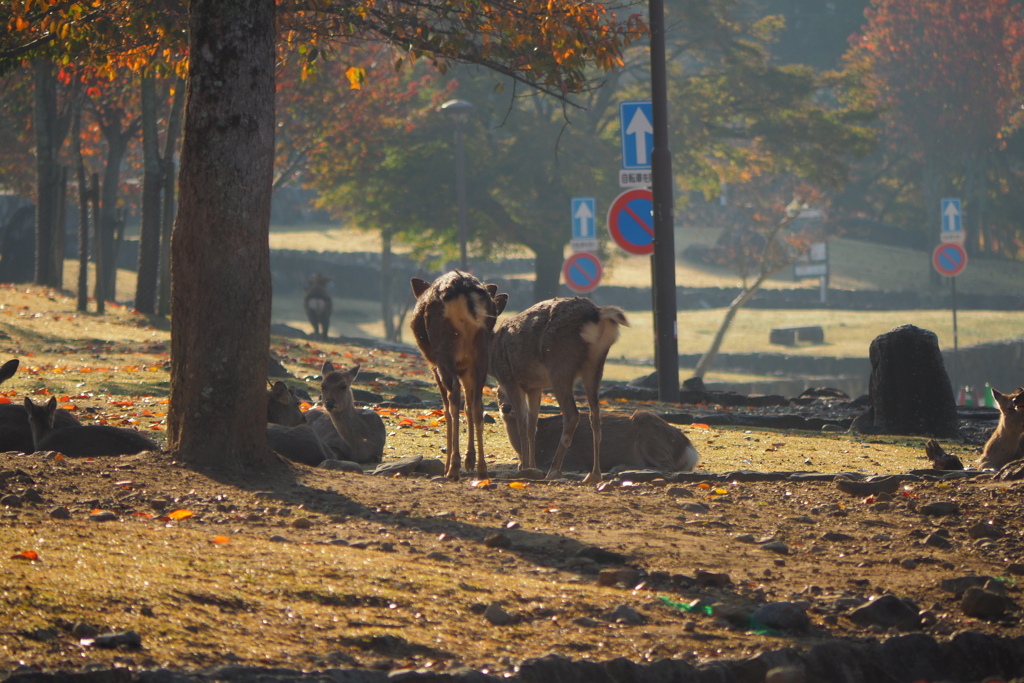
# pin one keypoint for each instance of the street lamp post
(460, 110)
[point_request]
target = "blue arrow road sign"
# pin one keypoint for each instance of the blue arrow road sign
(636, 124)
(951, 216)
(583, 216)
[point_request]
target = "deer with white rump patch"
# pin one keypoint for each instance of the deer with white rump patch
(551, 345)
(453, 323)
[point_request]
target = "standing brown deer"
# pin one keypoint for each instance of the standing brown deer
(318, 305)
(551, 345)
(638, 441)
(1005, 443)
(453, 323)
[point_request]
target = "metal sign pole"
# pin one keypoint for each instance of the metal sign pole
(956, 379)
(663, 276)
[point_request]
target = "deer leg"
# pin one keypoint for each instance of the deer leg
(570, 418)
(475, 415)
(470, 389)
(591, 384)
(455, 403)
(533, 413)
(447, 422)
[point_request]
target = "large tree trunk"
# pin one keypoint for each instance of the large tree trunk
(547, 269)
(170, 178)
(149, 233)
(47, 148)
(220, 254)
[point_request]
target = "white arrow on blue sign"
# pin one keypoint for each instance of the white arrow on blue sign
(637, 132)
(583, 212)
(951, 217)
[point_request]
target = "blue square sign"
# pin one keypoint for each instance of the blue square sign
(636, 125)
(584, 216)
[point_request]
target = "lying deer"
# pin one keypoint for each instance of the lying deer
(318, 305)
(15, 431)
(453, 323)
(1005, 443)
(551, 345)
(288, 435)
(347, 433)
(81, 441)
(638, 441)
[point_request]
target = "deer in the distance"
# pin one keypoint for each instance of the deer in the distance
(15, 431)
(288, 435)
(347, 432)
(318, 305)
(638, 441)
(81, 441)
(1005, 443)
(551, 345)
(453, 323)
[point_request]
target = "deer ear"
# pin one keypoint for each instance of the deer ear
(352, 373)
(327, 368)
(491, 289)
(8, 369)
(280, 391)
(419, 286)
(29, 405)
(500, 301)
(51, 405)
(1001, 398)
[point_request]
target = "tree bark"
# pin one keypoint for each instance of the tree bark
(547, 269)
(149, 232)
(170, 178)
(933, 222)
(117, 145)
(47, 148)
(83, 214)
(386, 279)
(220, 254)
(60, 231)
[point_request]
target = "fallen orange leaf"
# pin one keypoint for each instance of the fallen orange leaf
(480, 483)
(220, 539)
(518, 485)
(142, 514)
(26, 555)
(181, 514)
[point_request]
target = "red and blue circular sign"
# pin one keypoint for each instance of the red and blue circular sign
(631, 221)
(949, 259)
(582, 272)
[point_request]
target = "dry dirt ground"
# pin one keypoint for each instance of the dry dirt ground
(310, 568)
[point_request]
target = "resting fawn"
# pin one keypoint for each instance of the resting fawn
(15, 431)
(347, 432)
(453, 323)
(288, 435)
(551, 345)
(638, 441)
(1005, 443)
(82, 441)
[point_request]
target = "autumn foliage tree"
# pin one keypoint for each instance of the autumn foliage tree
(947, 74)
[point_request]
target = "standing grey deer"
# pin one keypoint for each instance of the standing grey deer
(318, 305)
(551, 345)
(453, 323)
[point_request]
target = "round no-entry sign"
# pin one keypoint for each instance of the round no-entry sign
(582, 272)
(631, 221)
(949, 259)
